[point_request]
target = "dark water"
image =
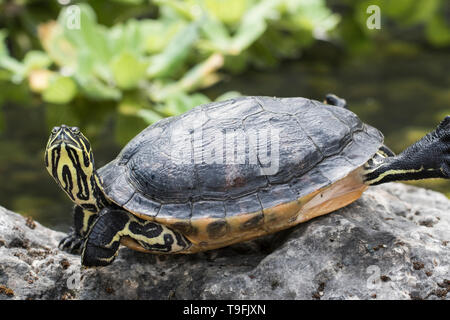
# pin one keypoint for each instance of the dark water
(400, 89)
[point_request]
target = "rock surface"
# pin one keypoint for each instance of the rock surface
(393, 243)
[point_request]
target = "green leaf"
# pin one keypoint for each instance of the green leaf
(61, 51)
(60, 91)
(95, 89)
(237, 64)
(217, 35)
(228, 95)
(3, 49)
(423, 11)
(253, 25)
(149, 116)
(127, 37)
(36, 60)
(176, 9)
(89, 84)
(127, 70)
(165, 63)
(182, 102)
(438, 32)
(15, 67)
(197, 99)
(227, 11)
(314, 16)
(130, 2)
(156, 34)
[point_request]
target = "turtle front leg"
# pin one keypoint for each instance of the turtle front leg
(115, 226)
(82, 221)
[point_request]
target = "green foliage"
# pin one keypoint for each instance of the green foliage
(158, 65)
(166, 59)
(166, 63)
(169, 58)
(127, 70)
(61, 90)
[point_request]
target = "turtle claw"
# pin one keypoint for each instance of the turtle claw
(71, 243)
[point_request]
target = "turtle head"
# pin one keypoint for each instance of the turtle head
(69, 160)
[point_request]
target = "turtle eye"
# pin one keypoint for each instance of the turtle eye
(75, 130)
(55, 130)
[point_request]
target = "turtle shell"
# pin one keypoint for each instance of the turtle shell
(223, 167)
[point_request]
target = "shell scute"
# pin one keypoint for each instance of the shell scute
(283, 105)
(243, 205)
(181, 211)
(329, 142)
(205, 209)
(275, 195)
(139, 201)
(238, 108)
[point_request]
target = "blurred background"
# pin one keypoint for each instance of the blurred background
(114, 67)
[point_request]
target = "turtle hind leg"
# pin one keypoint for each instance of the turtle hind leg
(115, 226)
(334, 100)
(427, 158)
(83, 220)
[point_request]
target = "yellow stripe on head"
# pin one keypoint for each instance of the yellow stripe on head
(69, 160)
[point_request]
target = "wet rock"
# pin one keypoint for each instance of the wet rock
(393, 243)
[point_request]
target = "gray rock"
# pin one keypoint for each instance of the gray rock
(393, 243)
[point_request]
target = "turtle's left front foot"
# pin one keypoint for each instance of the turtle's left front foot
(71, 243)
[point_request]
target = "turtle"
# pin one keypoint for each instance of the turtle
(227, 172)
